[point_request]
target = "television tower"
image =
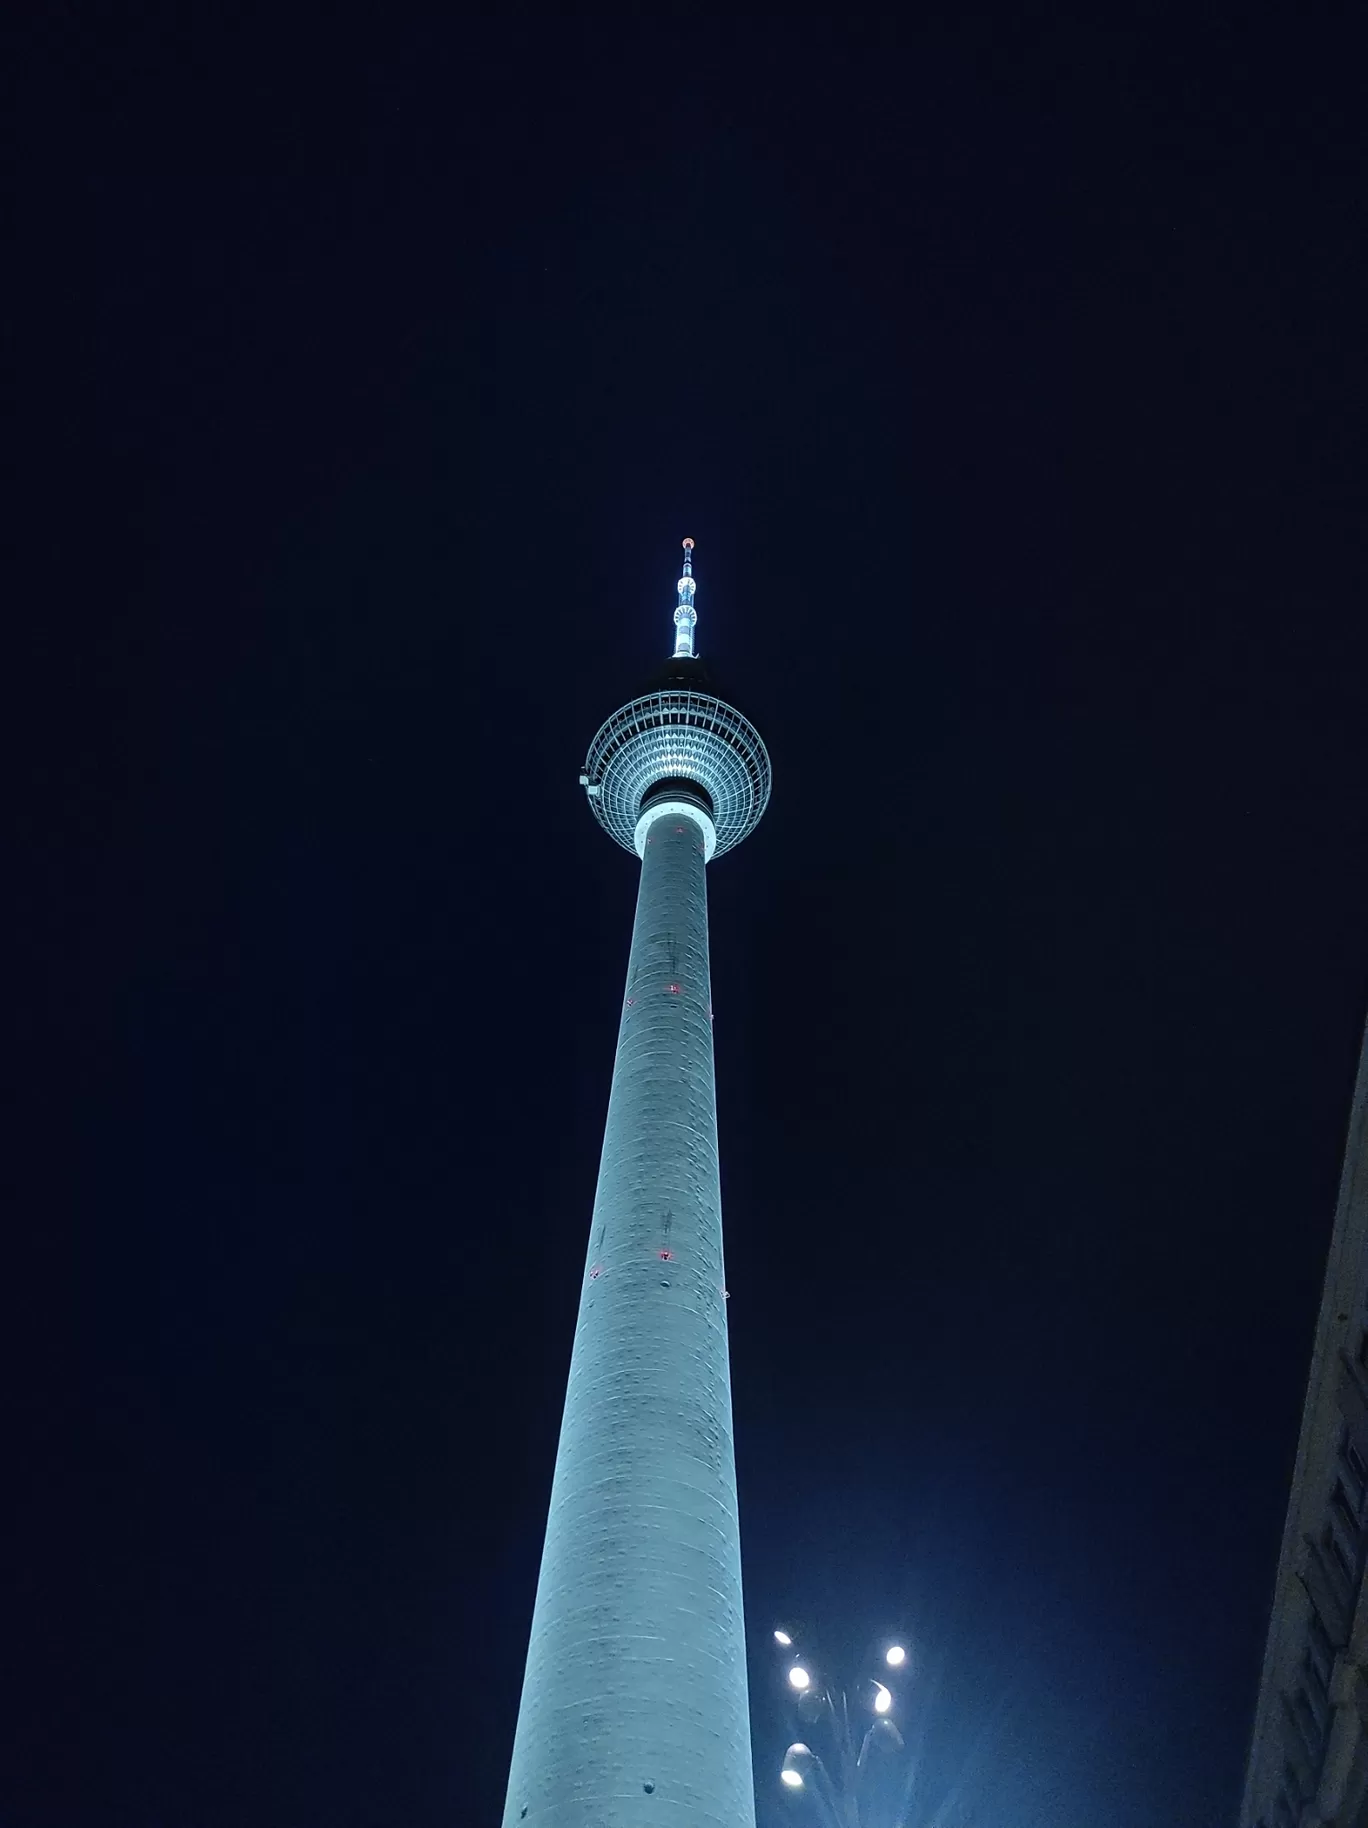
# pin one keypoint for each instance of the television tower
(634, 1707)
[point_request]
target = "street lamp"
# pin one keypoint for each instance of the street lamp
(851, 1781)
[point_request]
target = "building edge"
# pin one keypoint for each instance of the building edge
(1307, 1765)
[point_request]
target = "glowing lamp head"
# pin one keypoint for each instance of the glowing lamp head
(799, 1678)
(782, 1639)
(791, 1775)
(883, 1700)
(895, 1656)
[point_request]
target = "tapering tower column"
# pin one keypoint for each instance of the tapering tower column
(634, 1706)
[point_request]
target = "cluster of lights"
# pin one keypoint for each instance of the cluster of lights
(800, 1680)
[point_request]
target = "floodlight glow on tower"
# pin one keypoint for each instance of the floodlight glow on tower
(634, 1704)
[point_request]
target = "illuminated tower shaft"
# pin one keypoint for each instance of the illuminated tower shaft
(634, 1704)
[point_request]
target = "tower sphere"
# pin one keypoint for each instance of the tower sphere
(680, 733)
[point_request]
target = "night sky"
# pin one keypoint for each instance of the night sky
(1010, 377)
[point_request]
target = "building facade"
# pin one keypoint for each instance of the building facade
(634, 1705)
(1308, 1763)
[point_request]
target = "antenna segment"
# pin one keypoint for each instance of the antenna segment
(685, 614)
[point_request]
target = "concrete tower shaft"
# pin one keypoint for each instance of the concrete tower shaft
(634, 1706)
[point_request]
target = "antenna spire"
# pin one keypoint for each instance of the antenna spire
(685, 614)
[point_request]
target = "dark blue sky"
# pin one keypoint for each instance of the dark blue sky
(1010, 377)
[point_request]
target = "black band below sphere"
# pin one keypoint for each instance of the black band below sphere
(677, 787)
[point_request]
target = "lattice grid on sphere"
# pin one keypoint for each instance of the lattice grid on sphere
(678, 736)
